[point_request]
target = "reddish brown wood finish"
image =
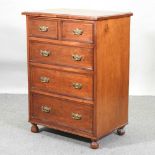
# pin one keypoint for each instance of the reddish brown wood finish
(112, 75)
(79, 14)
(61, 55)
(62, 82)
(70, 98)
(52, 25)
(94, 145)
(63, 68)
(121, 131)
(104, 72)
(34, 128)
(69, 26)
(62, 42)
(61, 112)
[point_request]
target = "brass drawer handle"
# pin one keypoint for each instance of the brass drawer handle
(77, 57)
(76, 116)
(43, 28)
(45, 53)
(77, 85)
(45, 109)
(77, 32)
(44, 79)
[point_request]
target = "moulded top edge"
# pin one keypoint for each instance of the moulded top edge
(78, 14)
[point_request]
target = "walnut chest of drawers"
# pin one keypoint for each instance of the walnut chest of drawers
(78, 71)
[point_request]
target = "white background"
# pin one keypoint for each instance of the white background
(13, 77)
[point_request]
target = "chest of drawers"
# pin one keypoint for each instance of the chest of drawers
(78, 71)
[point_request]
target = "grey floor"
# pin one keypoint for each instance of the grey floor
(16, 138)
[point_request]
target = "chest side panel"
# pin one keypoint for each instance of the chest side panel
(112, 74)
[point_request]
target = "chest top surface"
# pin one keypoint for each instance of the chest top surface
(78, 14)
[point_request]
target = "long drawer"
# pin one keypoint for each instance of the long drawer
(43, 52)
(62, 82)
(50, 110)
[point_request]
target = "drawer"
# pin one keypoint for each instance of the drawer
(62, 82)
(61, 55)
(50, 110)
(77, 31)
(43, 28)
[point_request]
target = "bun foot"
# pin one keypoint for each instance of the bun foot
(94, 145)
(121, 131)
(34, 128)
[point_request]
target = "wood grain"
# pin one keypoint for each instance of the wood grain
(79, 14)
(61, 55)
(112, 77)
(61, 112)
(103, 72)
(62, 68)
(52, 25)
(62, 82)
(62, 42)
(64, 97)
(69, 26)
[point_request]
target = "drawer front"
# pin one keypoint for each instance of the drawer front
(61, 55)
(43, 28)
(77, 31)
(52, 110)
(61, 82)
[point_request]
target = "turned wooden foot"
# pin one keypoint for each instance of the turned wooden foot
(94, 145)
(34, 128)
(121, 131)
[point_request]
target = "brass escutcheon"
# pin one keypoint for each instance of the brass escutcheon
(76, 116)
(77, 85)
(76, 57)
(77, 32)
(45, 109)
(43, 28)
(45, 53)
(44, 79)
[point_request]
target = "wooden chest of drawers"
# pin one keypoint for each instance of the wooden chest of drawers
(78, 71)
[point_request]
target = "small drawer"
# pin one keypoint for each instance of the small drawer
(61, 55)
(62, 82)
(51, 110)
(77, 31)
(43, 28)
